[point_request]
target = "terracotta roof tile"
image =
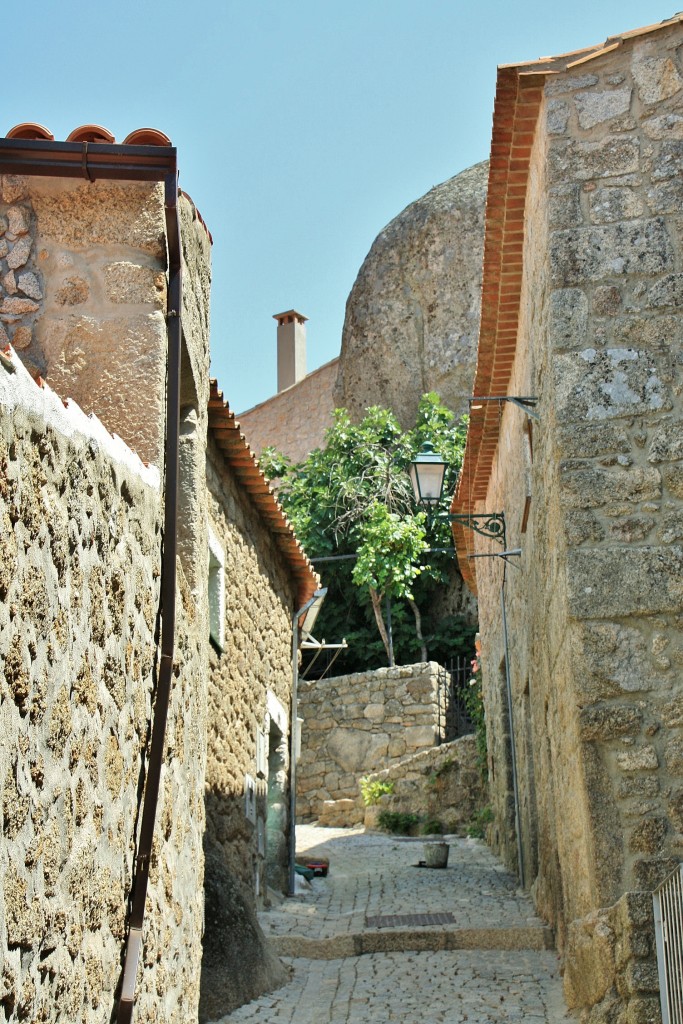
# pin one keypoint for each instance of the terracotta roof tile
(244, 464)
(96, 134)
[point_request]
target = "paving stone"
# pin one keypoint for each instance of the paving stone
(373, 875)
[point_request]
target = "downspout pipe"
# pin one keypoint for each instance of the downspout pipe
(135, 163)
(297, 629)
(513, 747)
(168, 603)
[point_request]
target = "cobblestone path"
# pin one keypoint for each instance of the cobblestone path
(491, 962)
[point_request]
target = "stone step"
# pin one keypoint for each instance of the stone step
(395, 940)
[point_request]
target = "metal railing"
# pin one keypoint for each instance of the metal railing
(668, 912)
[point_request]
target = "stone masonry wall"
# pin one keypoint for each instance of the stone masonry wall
(83, 295)
(79, 595)
(295, 420)
(594, 618)
(354, 725)
(443, 784)
(257, 658)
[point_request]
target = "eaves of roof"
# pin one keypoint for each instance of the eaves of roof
(87, 135)
(225, 430)
(519, 93)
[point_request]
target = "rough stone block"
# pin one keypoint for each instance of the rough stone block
(357, 751)
(417, 736)
(602, 105)
(568, 318)
(102, 213)
(581, 525)
(638, 786)
(564, 206)
(651, 873)
(607, 722)
(590, 486)
(639, 759)
(607, 300)
(641, 248)
(673, 755)
(130, 283)
(589, 961)
(614, 204)
(557, 117)
(609, 157)
(617, 582)
(666, 292)
(563, 84)
(667, 443)
(648, 836)
(656, 78)
(643, 1011)
(592, 439)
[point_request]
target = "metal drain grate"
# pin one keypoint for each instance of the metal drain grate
(416, 920)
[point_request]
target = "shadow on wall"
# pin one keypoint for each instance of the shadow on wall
(237, 965)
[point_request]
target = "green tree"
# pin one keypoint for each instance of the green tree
(353, 498)
(389, 561)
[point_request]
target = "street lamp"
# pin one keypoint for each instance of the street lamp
(427, 472)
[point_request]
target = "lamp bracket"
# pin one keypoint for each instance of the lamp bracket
(524, 402)
(488, 524)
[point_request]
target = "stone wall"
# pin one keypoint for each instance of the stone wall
(444, 784)
(295, 420)
(611, 963)
(83, 295)
(594, 616)
(79, 589)
(249, 692)
(256, 661)
(355, 724)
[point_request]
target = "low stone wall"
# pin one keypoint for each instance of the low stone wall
(357, 724)
(443, 784)
(611, 963)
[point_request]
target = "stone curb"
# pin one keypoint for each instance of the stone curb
(416, 940)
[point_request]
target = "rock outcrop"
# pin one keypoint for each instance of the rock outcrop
(412, 318)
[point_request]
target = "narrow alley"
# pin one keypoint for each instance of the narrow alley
(382, 939)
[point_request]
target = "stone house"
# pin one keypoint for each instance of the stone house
(581, 628)
(109, 594)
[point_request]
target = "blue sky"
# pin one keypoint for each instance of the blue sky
(303, 127)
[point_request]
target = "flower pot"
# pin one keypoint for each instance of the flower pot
(436, 855)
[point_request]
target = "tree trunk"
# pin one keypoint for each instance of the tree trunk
(418, 629)
(377, 609)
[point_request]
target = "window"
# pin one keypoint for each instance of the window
(216, 592)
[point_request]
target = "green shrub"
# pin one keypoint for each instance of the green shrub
(477, 827)
(432, 827)
(398, 822)
(372, 789)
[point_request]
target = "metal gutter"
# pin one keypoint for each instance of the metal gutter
(134, 163)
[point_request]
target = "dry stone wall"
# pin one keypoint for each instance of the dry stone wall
(356, 724)
(444, 784)
(79, 602)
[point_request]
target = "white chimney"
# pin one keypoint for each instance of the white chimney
(291, 348)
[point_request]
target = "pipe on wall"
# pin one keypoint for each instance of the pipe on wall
(135, 163)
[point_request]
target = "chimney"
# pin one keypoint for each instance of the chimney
(291, 348)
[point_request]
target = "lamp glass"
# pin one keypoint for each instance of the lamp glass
(427, 472)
